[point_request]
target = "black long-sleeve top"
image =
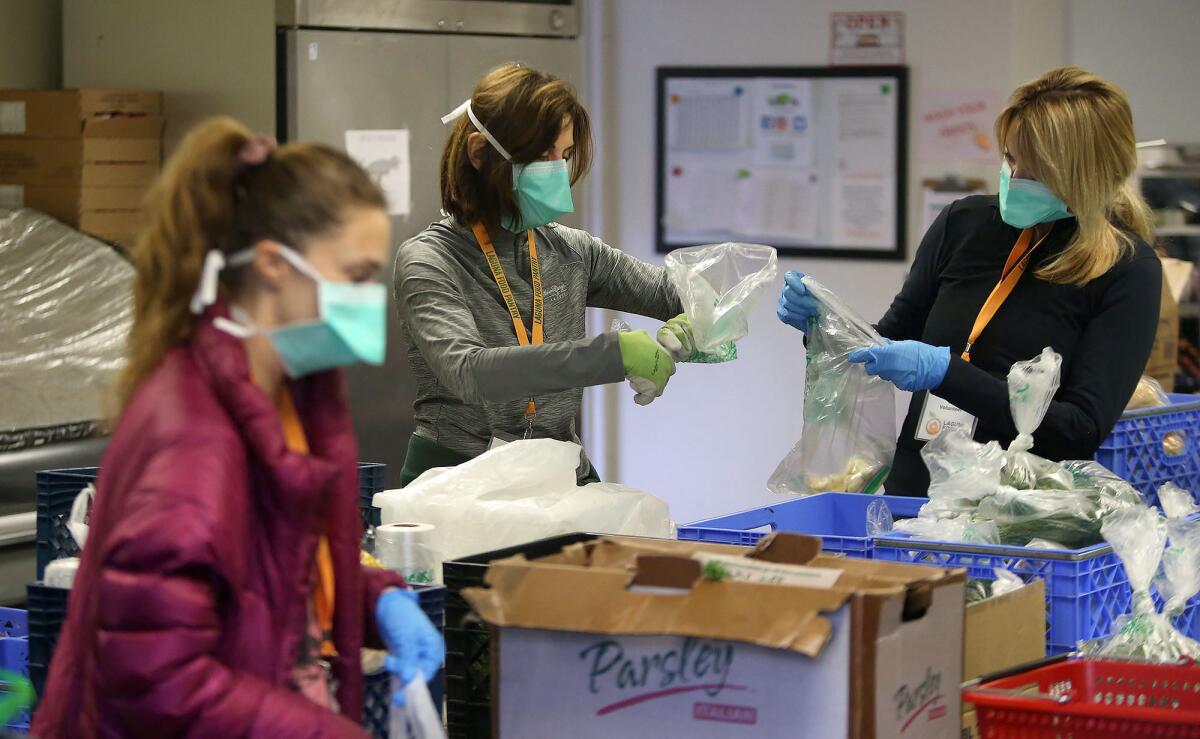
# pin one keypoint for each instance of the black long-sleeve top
(1104, 331)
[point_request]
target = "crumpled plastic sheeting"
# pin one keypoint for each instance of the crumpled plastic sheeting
(65, 312)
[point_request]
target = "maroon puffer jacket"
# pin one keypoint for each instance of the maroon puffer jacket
(190, 602)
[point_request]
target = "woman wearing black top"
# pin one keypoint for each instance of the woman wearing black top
(968, 311)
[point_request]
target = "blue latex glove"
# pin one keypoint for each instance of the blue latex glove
(796, 304)
(412, 640)
(909, 365)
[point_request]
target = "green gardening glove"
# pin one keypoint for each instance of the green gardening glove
(647, 365)
(677, 338)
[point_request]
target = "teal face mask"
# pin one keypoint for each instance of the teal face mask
(1025, 203)
(351, 326)
(543, 188)
(543, 194)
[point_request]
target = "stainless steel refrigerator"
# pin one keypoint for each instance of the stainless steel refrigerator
(346, 65)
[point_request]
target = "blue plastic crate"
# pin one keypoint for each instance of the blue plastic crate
(370, 481)
(840, 519)
(1086, 589)
(377, 687)
(47, 613)
(56, 491)
(1135, 449)
(14, 622)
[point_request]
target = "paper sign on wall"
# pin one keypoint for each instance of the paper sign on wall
(859, 39)
(385, 156)
(958, 124)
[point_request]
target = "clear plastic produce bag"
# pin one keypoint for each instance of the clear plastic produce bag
(849, 434)
(718, 286)
(1175, 501)
(1148, 394)
(961, 470)
(1138, 535)
(1031, 387)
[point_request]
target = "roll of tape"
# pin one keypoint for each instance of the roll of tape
(408, 548)
(61, 573)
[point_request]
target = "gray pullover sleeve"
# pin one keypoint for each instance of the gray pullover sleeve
(441, 325)
(620, 282)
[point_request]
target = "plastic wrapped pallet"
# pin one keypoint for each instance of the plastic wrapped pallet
(65, 311)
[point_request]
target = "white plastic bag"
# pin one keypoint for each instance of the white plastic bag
(718, 285)
(419, 718)
(849, 434)
(517, 493)
(77, 522)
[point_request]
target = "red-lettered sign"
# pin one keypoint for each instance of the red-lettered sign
(866, 39)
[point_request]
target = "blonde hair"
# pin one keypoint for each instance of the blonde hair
(1073, 132)
(524, 109)
(207, 199)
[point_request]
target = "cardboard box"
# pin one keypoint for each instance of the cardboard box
(1164, 357)
(1000, 633)
(71, 204)
(88, 113)
(79, 162)
(624, 638)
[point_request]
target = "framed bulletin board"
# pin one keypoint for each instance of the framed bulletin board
(809, 160)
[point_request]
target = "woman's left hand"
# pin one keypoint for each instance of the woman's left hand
(413, 642)
(909, 365)
(676, 337)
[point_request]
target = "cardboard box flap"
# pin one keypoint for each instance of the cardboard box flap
(75, 113)
(531, 595)
(94, 101)
(1178, 275)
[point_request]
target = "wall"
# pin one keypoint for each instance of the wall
(710, 443)
(30, 43)
(211, 57)
(1152, 50)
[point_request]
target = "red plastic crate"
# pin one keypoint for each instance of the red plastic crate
(1097, 699)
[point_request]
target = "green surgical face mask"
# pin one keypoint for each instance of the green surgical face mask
(1025, 203)
(351, 323)
(543, 194)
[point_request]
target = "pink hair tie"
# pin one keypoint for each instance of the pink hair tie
(257, 149)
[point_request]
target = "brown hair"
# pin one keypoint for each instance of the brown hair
(207, 199)
(524, 109)
(1074, 133)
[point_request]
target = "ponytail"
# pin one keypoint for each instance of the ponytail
(208, 198)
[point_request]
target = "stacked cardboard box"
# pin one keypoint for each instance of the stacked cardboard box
(84, 157)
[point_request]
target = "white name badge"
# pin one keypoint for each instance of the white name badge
(500, 439)
(938, 416)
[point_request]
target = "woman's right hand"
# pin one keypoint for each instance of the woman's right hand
(797, 306)
(647, 365)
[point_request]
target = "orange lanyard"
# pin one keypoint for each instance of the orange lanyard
(1018, 262)
(514, 311)
(294, 437)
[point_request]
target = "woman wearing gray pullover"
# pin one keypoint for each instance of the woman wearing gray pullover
(492, 299)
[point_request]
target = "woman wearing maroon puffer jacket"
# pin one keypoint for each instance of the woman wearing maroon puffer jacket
(220, 592)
